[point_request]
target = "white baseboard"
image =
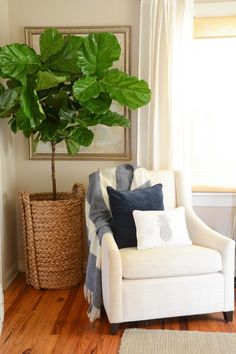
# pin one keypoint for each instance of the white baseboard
(10, 275)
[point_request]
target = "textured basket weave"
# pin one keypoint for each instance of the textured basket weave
(52, 231)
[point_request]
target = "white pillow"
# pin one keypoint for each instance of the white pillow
(161, 228)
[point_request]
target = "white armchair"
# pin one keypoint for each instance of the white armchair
(169, 281)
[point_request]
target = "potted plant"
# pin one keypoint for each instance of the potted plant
(55, 96)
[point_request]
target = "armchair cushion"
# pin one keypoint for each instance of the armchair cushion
(161, 228)
(123, 203)
(169, 262)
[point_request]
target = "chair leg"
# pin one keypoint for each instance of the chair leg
(114, 328)
(228, 316)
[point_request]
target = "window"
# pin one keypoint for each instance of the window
(213, 148)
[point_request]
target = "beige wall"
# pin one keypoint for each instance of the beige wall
(7, 180)
(34, 176)
(4, 33)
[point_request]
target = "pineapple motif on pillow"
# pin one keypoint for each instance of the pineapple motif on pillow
(165, 228)
(157, 228)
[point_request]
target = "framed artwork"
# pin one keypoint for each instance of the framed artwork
(110, 143)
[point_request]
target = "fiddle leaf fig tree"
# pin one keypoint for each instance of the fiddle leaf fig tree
(59, 94)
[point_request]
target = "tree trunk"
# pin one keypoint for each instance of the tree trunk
(54, 186)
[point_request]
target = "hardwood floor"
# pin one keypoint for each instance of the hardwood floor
(55, 321)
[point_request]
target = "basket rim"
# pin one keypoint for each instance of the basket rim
(61, 196)
(43, 198)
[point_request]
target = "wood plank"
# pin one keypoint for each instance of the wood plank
(38, 347)
(43, 318)
(12, 330)
(61, 318)
(13, 288)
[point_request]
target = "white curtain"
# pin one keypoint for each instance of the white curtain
(164, 58)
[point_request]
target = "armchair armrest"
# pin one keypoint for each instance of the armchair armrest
(199, 232)
(203, 235)
(112, 279)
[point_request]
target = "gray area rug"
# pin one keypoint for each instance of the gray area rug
(147, 341)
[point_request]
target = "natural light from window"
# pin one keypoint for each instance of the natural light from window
(213, 147)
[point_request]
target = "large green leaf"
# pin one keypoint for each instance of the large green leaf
(114, 119)
(84, 89)
(127, 90)
(51, 41)
(84, 136)
(88, 119)
(31, 105)
(72, 146)
(12, 124)
(57, 101)
(23, 123)
(1, 73)
(8, 102)
(64, 131)
(48, 130)
(18, 60)
(80, 136)
(98, 105)
(35, 141)
(66, 114)
(46, 80)
(67, 59)
(98, 52)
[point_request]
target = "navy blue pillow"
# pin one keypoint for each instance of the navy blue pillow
(122, 204)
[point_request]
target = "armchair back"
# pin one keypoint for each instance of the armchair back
(167, 178)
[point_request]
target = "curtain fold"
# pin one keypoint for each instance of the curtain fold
(166, 28)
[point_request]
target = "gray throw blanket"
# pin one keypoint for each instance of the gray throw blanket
(98, 217)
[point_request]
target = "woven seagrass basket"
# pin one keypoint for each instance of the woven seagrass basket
(53, 231)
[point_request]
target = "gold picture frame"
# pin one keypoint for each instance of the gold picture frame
(110, 143)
